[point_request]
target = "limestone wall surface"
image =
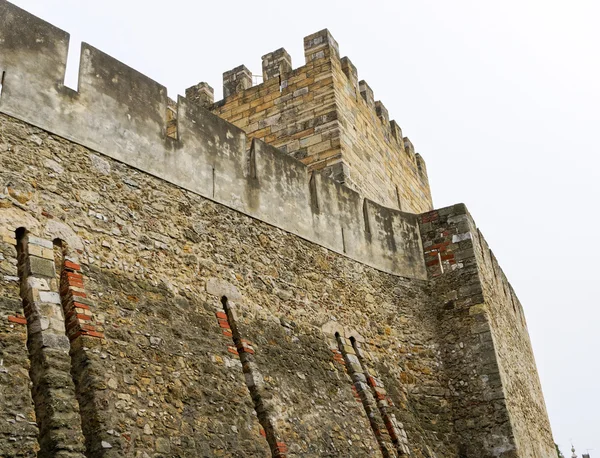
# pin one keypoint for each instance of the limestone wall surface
(295, 112)
(169, 288)
(524, 399)
(124, 115)
(498, 404)
(150, 346)
(320, 114)
(381, 161)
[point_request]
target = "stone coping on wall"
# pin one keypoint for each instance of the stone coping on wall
(123, 114)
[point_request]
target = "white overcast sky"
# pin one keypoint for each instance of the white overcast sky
(502, 99)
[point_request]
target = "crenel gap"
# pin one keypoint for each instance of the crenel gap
(171, 115)
(73, 63)
(2, 83)
(366, 217)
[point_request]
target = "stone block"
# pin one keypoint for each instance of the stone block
(220, 288)
(55, 341)
(33, 240)
(163, 445)
(84, 300)
(236, 80)
(382, 113)
(408, 146)
(397, 132)
(320, 45)
(41, 252)
(49, 297)
(202, 94)
(367, 93)
(350, 71)
(41, 267)
(360, 377)
(40, 284)
(276, 64)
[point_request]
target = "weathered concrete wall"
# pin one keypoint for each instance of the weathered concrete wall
(498, 404)
(151, 264)
(319, 114)
(123, 114)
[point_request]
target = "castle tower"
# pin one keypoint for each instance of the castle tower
(322, 115)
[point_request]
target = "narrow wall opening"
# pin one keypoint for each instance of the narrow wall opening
(254, 382)
(213, 182)
(252, 162)
(359, 380)
(397, 434)
(57, 413)
(314, 197)
(172, 120)
(77, 316)
(398, 199)
(366, 217)
(420, 167)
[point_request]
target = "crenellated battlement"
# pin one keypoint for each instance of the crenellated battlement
(125, 115)
(276, 64)
(324, 116)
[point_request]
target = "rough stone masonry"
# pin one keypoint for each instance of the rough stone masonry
(173, 285)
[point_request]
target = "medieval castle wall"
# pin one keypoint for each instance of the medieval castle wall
(171, 288)
(492, 376)
(156, 261)
(322, 115)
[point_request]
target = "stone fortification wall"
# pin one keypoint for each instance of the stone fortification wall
(294, 110)
(125, 115)
(322, 115)
(381, 160)
(498, 403)
(341, 359)
(169, 288)
(524, 398)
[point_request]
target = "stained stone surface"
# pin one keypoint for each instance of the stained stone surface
(182, 291)
(156, 260)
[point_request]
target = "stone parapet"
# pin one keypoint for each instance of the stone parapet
(320, 114)
(204, 154)
(236, 80)
(202, 94)
(276, 64)
(321, 45)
